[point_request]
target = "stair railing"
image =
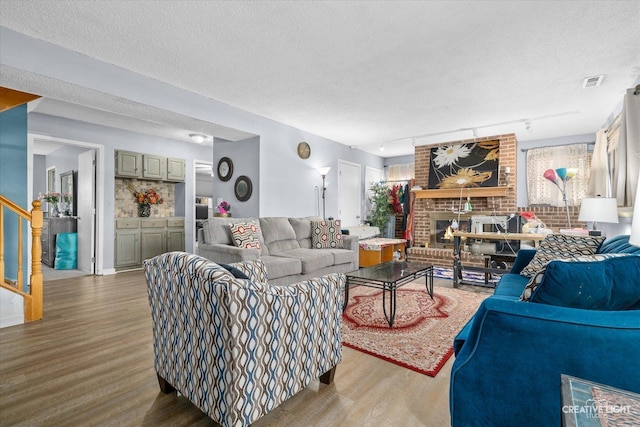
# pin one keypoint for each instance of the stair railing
(32, 298)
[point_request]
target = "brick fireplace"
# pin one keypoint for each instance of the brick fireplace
(429, 245)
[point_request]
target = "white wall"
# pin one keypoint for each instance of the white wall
(285, 182)
(11, 308)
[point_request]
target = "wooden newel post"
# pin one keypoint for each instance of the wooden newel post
(35, 311)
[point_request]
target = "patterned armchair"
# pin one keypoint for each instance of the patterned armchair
(237, 348)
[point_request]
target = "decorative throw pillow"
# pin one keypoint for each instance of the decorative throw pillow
(556, 246)
(238, 274)
(534, 282)
(245, 235)
(596, 282)
(326, 234)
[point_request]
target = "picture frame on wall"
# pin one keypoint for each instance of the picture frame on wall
(474, 164)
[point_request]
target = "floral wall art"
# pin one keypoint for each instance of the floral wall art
(472, 164)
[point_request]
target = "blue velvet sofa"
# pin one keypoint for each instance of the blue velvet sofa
(511, 354)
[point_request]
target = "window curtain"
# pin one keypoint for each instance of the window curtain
(599, 180)
(400, 172)
(541, 191)
(626, 152)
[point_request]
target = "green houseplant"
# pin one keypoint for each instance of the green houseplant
(381, 208)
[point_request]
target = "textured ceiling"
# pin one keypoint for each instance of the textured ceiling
(367, 73)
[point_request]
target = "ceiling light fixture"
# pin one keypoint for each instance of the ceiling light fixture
(381, 147)
(198, 138)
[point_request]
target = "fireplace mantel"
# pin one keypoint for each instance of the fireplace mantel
(452, 193)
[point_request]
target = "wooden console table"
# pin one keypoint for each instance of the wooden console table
(458, 236)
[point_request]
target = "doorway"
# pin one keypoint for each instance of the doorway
(84, 161)
(203, 177)
(349, 193)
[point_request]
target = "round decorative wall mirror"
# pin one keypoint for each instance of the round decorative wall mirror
(225, 169)
(243, 188)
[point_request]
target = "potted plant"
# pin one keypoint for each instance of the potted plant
(381, 209)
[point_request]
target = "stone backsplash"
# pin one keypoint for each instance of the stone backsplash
(126, 207)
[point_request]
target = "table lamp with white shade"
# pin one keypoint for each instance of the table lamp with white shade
(598, 209)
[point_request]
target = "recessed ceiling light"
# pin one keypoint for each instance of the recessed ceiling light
(594, 81)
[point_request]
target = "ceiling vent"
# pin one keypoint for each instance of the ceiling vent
(592, 81)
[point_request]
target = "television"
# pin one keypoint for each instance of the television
(202, 211)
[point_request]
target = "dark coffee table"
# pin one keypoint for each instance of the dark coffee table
(389, 276)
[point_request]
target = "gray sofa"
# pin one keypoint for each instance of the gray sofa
(285, 248)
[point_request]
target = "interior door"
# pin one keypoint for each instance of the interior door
(349, 193)
(86, 211)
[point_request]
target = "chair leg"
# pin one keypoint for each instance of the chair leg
(165, 386)
(327, 377)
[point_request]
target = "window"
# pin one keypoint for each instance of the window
(400, 172)
(541, 191)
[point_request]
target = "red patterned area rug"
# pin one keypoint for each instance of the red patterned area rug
(421, 338)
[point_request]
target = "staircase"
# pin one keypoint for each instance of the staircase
(15, 288)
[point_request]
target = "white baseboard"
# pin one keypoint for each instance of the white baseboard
(11, 321)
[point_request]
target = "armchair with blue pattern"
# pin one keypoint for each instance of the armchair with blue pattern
(238, 348)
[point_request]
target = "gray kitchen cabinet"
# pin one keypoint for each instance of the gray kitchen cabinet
(51, 226)
(138, 239)
(175, 169)
(149, 167)
(153, 232)
(154, 167)
(127, 247)
(128, 164)
(175, 234)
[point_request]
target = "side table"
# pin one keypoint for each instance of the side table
(589, 404)
(379, 250)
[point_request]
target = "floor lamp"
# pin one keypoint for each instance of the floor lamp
(558, 176)
(323, 172)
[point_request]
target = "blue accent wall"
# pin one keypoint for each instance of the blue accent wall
(13, 183)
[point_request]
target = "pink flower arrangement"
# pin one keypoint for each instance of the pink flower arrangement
(224, 207)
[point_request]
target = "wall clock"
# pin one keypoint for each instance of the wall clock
(225, 169)
(304, 151)
(243, 188)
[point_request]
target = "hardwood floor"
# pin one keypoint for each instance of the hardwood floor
(90, 362)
